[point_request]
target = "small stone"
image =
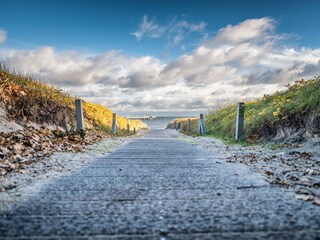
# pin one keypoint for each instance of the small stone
(3, 172)
(304, 197)
(316, 201)
(11, 186)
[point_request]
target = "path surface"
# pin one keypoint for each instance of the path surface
(164, 188)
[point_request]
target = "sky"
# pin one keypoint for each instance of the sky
(163, 57)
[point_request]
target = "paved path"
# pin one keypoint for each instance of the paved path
(163, 188)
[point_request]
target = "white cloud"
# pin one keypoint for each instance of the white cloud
(241, 61)
(251, 29)
(148, 28)
(3, 36)
(69, 68)
(247, 53)
(175, 31)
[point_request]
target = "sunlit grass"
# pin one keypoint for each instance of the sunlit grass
(31, 90)
(300, 98)
(303, 97)
(184, 121)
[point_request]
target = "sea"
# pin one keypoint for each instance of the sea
(160, 122)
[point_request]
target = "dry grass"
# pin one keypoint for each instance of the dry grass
(28, 99)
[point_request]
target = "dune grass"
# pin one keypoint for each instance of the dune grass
(27, 90)
(303, 97)
(184, 121)
(300, 98)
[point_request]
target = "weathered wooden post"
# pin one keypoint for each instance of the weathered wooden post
(128, 126)
(189, 125)
(240, 120)
(202, 126)
(134, 130)
(79, 117)
(114, 123)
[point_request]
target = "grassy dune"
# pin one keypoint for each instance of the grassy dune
(184, 122)
(28, 100)
(261, 115)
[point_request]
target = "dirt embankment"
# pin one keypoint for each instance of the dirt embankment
(32, 128)
(296, 128)
(22, 107)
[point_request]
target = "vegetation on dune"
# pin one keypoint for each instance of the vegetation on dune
(299, 99)
(261, 115)
(184, 121)
(100, 118)
(28, 100)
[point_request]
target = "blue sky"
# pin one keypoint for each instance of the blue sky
(105, 25)
(139, 50)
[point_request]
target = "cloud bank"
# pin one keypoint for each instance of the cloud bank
(246, 60)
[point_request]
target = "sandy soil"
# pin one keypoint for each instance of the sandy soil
(6, 125)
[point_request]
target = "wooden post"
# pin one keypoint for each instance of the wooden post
(134, 130)
(189, 125)
(79, 116)
(128, 126)
(202, 126)
(240, 120)
(114, 123)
